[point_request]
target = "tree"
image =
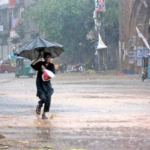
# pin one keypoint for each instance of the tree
(111, 28)
(111, 21)
(66, 22)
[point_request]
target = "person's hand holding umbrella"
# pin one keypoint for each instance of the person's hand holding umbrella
(35, 61)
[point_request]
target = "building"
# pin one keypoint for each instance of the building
(133, 13)
(13, 32)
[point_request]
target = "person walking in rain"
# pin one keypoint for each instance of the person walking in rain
(44, 88)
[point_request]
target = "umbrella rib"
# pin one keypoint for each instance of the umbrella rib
(43, 42)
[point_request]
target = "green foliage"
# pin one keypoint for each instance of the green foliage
(111, 28)
(65, 22)
(111, 20)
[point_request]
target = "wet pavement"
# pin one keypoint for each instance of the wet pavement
(91, 112)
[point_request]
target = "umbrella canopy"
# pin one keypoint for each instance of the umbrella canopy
(39, 45)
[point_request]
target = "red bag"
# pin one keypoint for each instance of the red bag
(47, 75)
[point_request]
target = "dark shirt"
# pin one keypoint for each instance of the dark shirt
(44, 88)
(38, 67)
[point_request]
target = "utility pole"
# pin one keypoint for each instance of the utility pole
(2, 51)
(98, 17)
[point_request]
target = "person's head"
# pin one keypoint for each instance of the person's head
(47, 57)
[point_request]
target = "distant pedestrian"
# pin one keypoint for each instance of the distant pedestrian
(44, 88)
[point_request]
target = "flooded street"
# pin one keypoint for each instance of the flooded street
(91, 112)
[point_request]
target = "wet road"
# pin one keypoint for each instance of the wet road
(4, 77)
(91, 112)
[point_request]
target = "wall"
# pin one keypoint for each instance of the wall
(132, 13)
(5, 9)
(4, 50)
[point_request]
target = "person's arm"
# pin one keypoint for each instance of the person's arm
(36, 64)
(43, 67)
(35, 61)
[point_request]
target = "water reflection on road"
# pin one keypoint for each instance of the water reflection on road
(92, 113)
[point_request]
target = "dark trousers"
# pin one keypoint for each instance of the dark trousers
(47, 104)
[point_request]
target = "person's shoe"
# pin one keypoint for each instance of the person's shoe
(44, 117)
(38, 109)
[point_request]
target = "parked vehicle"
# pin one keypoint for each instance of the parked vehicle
(60, 68)
(75, 68)
(7, 66)
(23, 67)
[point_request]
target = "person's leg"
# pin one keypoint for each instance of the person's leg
(39, 106)
(44, 116)
(47, 105)
(46, 108)
(41, 102)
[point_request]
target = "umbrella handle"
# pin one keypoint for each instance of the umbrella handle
(40, 55)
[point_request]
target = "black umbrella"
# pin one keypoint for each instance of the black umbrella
(39, 45)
